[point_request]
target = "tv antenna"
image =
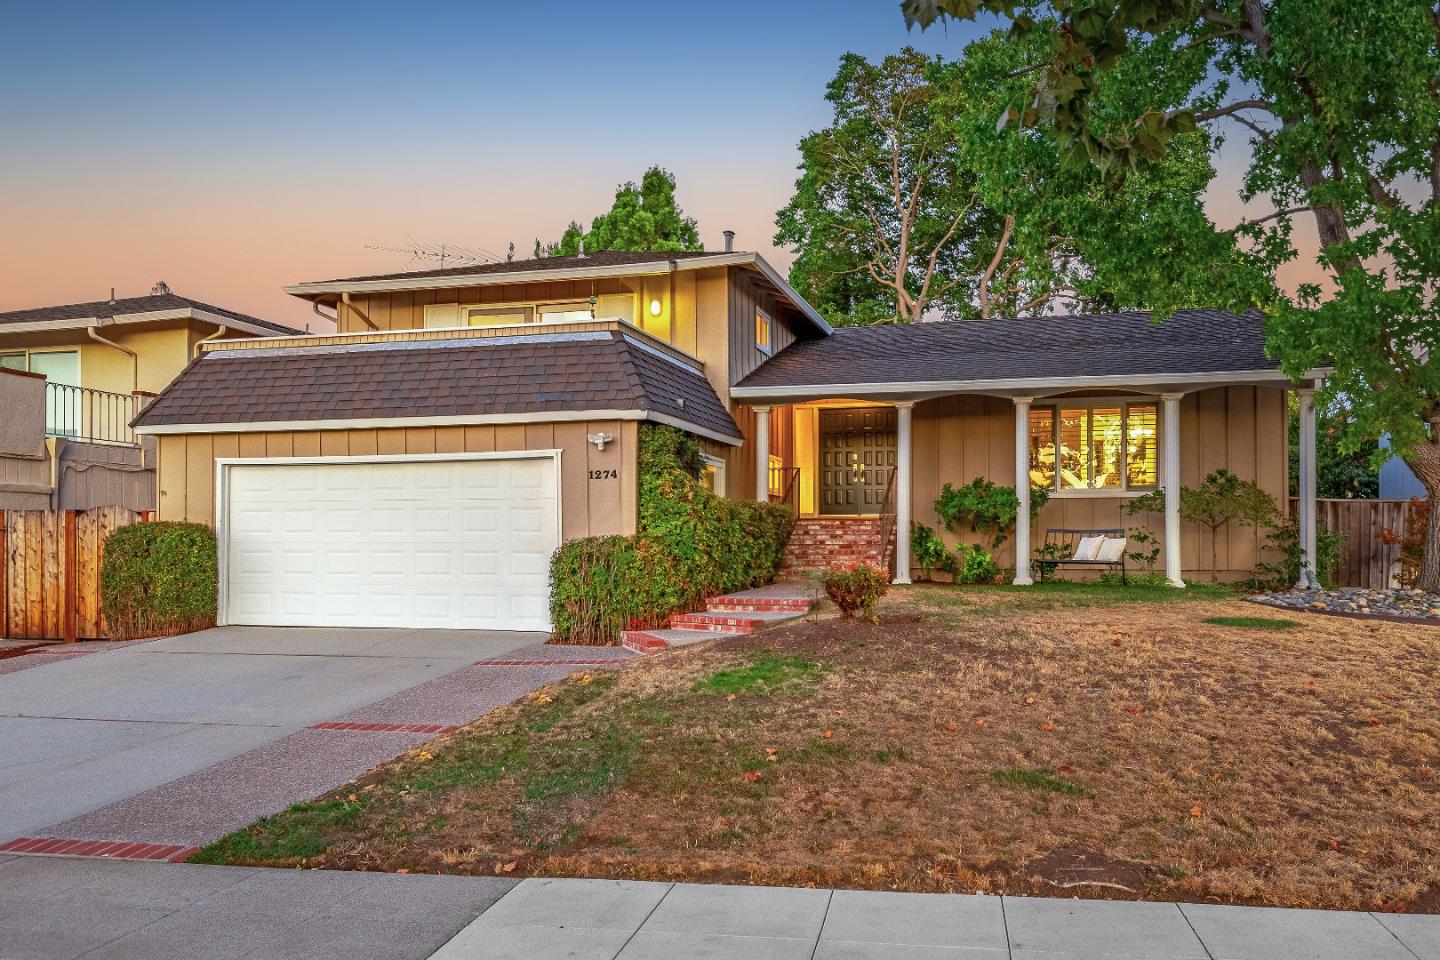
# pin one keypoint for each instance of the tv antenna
(445, 254)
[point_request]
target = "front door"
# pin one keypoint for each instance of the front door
(857, 453)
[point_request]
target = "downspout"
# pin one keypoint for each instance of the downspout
(134, 357)
(355, 310)
(315, 306)
(220, 331)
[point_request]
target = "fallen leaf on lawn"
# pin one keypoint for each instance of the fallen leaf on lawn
(403, 870)
(424, 755)
(508, 867)
(1047, 726)
(752, 775)
(543, 698)
(981, 721)
(1333, 843)
(1196, 811)
(828, 734)
(585, 678)
(1395, 906)
(1066, 768)
(951, 726)
(1411, 822)
(352, 798)
(1030, 699)
(1374, 722)
(1134, 711)
(1118, 642)
(730, 697)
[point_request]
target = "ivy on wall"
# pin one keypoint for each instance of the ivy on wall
(690, 545)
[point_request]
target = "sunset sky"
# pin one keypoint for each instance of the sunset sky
(229, 149)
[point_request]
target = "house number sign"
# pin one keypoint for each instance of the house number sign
(604, 474)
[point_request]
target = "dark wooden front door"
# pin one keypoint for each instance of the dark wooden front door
(857, 452)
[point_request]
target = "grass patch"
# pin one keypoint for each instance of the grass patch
(1041, 779)
(766, 673)
(296, 834)
(1254, 623)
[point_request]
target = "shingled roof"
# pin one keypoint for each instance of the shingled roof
(571, 372)
(599, 258)
(1077, 346)
(127, 306)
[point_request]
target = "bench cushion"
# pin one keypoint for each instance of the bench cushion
(1111, 550)
(1088, 548)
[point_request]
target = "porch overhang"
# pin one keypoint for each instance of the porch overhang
(1036, 387)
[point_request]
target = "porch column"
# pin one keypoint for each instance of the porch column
(1171, 434)
(1022, 491)
(762, 454)
(1306, 514)
(903, 410)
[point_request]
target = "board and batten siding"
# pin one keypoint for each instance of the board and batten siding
(748, 295)
(1242, 429)
(589, 507)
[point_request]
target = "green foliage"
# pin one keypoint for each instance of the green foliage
(643, 217)
(1222, 499)
(1142, 547)
(974, 564)
(1254, 623)
(767, 672)
(158, 579)
(1339, 105)
(690, 545)
(1339, 473)
(1042, 779)
(1284, 539)
(986, 508)
(928, 550)
(855, 589)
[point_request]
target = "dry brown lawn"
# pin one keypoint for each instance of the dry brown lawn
(976, 739)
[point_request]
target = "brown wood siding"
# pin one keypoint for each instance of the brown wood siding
(588, 507)
(406, 310)
(747, 295)
(1242, 429)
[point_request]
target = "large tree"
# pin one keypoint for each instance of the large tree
(644, 216)
(1340, 104)
(912, 204)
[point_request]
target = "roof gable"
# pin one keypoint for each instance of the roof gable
(101, 310)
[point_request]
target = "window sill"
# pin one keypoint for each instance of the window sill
(1099, 494)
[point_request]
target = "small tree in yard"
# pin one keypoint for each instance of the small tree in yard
(1340, 103)
(1221, 499)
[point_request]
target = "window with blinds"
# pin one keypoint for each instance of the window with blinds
(1101, 445)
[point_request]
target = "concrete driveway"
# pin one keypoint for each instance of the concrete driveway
(94, 730)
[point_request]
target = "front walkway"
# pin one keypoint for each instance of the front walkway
(54, 908)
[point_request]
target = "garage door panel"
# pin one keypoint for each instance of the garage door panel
(463, 543)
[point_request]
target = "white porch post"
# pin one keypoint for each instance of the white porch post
(1306, 513)
(903, 410)
(1022, 490)
(762, 454)
(1172, 488)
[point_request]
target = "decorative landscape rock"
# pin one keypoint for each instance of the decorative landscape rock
(1399, 602)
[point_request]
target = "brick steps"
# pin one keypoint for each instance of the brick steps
(734, 614)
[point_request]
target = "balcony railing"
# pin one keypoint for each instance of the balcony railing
(97, 416)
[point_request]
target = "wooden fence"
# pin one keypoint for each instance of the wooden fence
(50, 571)
(1365, 560)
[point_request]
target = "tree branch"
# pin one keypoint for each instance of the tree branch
(1232, 108)
(1270, 216)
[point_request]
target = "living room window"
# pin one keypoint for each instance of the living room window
(1094, 446)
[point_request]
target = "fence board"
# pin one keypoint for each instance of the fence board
(1365, 560)
(34, 581)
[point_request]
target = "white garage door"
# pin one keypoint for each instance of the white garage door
(406, 543)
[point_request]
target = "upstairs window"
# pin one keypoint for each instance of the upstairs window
(762, 332)
(1102, 446)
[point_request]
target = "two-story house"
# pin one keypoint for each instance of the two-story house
(73, 376)
(419, 466)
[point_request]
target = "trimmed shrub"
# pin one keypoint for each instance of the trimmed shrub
(986, 508)
(855, 589)
(929, 551)
(690, 545)
(159, 579)
(975, 564)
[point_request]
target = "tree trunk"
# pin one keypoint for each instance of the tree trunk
(1424, 461)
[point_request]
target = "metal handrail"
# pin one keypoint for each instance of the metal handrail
(887, 523)
(83, 413)
(787, 484)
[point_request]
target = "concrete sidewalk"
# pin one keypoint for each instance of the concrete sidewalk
(57, 908)
(621, 920)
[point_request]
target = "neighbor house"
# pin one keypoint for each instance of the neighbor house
(71, 379)
(419, 466)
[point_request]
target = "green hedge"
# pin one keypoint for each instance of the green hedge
(158, 579)
(690, 545)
